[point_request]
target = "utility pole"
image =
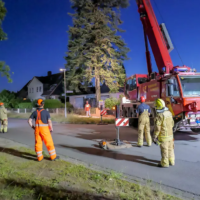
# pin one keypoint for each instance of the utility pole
(65, 91)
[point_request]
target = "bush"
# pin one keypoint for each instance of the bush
(28, 105)
(110, 102)
(69, 106)
(6, 97)
(52, 103)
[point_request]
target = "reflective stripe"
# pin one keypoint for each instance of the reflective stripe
(52, 150)
(39, 152)
(39, 155)
(41, 125)
(51, 154)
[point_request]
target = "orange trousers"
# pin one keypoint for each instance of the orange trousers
(43, 134)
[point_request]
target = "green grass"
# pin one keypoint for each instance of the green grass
(22, 177)
(71, 119)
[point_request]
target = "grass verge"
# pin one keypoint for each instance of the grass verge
(22, 177)
(71, 119)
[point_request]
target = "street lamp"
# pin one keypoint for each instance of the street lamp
(65, 90)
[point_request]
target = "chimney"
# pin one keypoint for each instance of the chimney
(49, 73)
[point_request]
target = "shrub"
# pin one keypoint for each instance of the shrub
(28, 105)
(69, 106)
(52, 103)
(110, 102)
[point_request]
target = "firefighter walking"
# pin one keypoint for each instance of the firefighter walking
(3, 119)
(163, 133)
(42, 128)
(143, 111)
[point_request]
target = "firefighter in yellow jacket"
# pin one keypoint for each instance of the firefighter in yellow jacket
(163, 133)
(3, 119)
(43, 126)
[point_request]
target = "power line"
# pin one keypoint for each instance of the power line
(169, 32)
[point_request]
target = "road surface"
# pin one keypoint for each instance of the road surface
(80, 142)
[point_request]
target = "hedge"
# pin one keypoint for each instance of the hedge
(28, 105)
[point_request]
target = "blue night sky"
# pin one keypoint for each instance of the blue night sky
(37, 38)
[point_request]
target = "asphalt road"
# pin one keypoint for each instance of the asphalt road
(80, 142)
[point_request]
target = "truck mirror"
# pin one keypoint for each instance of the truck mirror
(170, 90)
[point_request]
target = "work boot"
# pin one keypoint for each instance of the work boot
(159, 165)
(139, 146)
(57, 157)
(171, 163)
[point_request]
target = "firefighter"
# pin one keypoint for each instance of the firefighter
(163, 133)
(143, 112)
(87, 108)
(43, 126)
(3, 119)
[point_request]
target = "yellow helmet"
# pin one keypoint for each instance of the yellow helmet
(159, 104)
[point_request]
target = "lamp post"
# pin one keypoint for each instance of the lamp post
(65, 90)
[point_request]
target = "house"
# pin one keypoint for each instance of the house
(51, 87)
(78, 101)
(45, 87)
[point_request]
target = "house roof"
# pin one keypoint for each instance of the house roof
(23, 93)
(91, 90)
(52, 84)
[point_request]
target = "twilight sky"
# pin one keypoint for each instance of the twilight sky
(37, 37)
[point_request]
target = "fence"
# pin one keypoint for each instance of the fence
(51, 110)
(57, 111)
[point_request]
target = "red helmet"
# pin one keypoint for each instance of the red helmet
(142, 99)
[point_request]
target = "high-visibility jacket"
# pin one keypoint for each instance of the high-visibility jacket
(164, 124)
(87, 107)
(42, 133)
(3, 113)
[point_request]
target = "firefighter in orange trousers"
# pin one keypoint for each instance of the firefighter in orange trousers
(42, 128)
(87, 108)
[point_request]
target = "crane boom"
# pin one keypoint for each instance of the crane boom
(155, 36)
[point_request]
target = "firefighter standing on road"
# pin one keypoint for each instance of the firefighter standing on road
(143, 112)
(163, 132)
(42, 133)
(87, 108)
(3, 118)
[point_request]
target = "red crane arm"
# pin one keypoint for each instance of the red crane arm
(155, 36)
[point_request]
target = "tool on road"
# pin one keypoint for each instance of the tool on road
(119, 122)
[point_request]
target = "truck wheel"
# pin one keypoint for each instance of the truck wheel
(196, 130)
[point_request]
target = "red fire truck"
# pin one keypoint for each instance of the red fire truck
(178, 86)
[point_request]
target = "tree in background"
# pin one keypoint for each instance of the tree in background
(95, 51)
(7, 98)
(4, 69)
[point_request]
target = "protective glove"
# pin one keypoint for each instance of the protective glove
(33, 127)
(50, 129)
(155, 140)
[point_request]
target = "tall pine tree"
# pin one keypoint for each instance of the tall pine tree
(4, 69)
(95, 50)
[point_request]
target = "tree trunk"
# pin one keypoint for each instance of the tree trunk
(98, 90)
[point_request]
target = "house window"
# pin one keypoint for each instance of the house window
(37, 89)
(32, 90)
(40, 88)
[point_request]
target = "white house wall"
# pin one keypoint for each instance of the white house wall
(32, 89)
(72, 99)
